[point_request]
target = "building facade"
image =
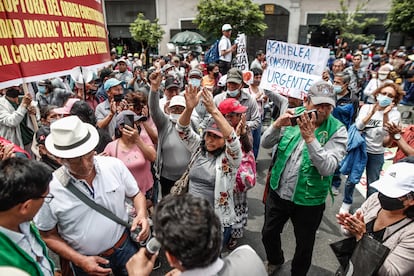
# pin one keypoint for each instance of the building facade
(294, 21)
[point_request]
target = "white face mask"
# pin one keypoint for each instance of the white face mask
(174, 117)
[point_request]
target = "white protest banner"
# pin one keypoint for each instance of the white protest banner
(292, 66)
(242, 62)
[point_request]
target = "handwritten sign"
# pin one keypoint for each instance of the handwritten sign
(46, 38)
(292, 67)
(242, 61)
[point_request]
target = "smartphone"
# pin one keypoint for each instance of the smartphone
(309, 112)
(129, 120)
(118, 98)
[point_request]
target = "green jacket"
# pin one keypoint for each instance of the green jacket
(12, 255)
(311, 188)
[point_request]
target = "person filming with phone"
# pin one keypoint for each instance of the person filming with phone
(306, 158)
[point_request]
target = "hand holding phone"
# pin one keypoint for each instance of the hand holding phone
(129, 120)
(293, 121)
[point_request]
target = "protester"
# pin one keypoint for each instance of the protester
(402, 138)
(387, 217)
(260, 61)
(371, 120)
(234, 83)
(225, 49)
(135, 148)
(213, 75)
(307, 157)
(216, 155)
(233, 111)
(172, 155)
(357, 75)
(21, 196)
(93, 243)
(106, 111)
(15, 122)
(172, 88)
(123, 74)
(261, 99)
(193, 222)
(45, 156)
(376, 82)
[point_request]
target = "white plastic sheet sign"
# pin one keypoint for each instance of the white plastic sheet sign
(242, 61)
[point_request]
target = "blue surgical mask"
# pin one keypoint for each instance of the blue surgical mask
(383, 100)
(195, 82)
(233, 93)
(41, 89)
(337, 89)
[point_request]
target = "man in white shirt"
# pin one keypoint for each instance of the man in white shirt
(92, 242)
(225, 49)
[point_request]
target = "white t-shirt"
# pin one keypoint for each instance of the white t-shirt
(83, 228)
(225, 44)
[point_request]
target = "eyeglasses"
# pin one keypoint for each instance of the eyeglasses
(48, 198)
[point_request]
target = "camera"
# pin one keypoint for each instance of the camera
(309, 112)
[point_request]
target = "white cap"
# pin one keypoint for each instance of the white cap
(177, 100)
(222, 81)
(397, 181)
(226, 27)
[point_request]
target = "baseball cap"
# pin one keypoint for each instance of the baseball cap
(166, 67)
(177, 100)
(106, 72)
(122, 59)
(111, 83)
(195, 72)
(322, 92)
(222, 81)
(231, 105)
(65, 110)
(397, 181)
(226, 27)
(213, 128)
(171, 82)
(234, 75)
(129, 55)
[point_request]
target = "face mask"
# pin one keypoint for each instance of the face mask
(382, 77)
(389, 203)
(337, 89)
(216, 74)
(174, 117)
(130, 58)
(383, 100)
(365, 57)
(195, 82)
(375, 62)
(41, 89)
(233, 93)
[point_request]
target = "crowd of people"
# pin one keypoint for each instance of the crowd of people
(124, 135)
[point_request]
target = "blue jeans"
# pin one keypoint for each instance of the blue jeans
(373, 170)
(117, 260)
(349, 192)
(256, 133)
(226, 235)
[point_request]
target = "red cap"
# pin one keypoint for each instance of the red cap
(231, 105)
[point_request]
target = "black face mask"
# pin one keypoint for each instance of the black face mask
(216, 74)
(389, 203)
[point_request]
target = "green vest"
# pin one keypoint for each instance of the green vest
(311, 188)
(12, 255)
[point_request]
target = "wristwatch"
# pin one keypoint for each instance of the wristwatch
(397, 136)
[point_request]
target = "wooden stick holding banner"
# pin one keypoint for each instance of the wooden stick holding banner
(32, 117)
